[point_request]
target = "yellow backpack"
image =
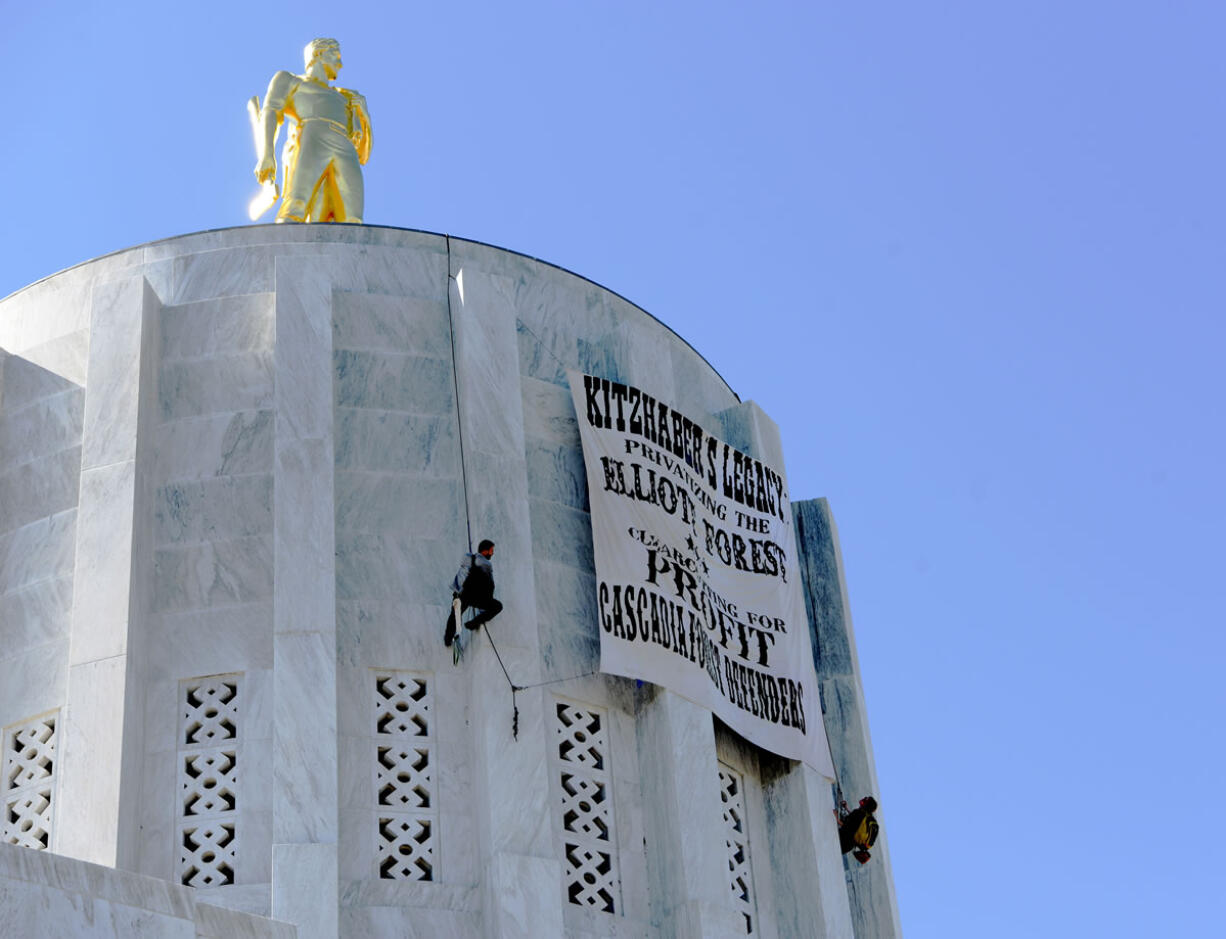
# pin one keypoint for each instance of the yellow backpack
(866, 833)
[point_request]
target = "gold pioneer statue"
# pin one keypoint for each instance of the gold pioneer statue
(320, 163)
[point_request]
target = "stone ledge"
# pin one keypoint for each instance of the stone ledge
(94, 882)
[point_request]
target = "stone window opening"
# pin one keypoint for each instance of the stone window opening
(207, 842)
(28, 784)
(736, 842)
(406, 813)
(589, 845)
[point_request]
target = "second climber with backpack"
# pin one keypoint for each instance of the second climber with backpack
(858, 828)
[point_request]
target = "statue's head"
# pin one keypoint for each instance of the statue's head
(327, 52)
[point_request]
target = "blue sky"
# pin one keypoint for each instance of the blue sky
(969, 255)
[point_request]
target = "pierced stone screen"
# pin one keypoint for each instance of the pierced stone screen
(208, 757)
(588, 842)
(406, 811)
(29, 782)
(736, 838)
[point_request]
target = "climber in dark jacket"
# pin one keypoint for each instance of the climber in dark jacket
(474, 586)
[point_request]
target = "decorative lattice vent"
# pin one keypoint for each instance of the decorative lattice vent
(736, 838)
(588, 841)
(208, 760)
(210, 713)
(406, 813)
(29, 782)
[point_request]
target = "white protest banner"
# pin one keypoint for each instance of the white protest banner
(698, 585)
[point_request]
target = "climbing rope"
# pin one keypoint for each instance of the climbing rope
(457, 646)
(515, 689)
(459, 418)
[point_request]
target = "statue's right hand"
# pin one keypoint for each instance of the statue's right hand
(266, 170)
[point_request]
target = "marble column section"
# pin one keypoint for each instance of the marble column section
(751, 430)
(305, 787)
(810, 899)
(686, 856)
(99, 785)
(804, 850)
(522, 880)
(870, 887)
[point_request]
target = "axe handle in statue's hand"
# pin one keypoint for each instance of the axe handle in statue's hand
(269, 190)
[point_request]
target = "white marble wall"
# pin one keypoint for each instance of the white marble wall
(269, 448)
(40, 463)
(213, 564)
(99, 787)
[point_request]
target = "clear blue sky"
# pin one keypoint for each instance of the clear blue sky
(969, 255)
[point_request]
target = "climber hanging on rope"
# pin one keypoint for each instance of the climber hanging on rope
(858, 829)
(473, 586)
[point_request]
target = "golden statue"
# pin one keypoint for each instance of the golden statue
(323, 152)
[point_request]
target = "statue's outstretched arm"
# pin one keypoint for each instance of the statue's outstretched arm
(271, 115)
